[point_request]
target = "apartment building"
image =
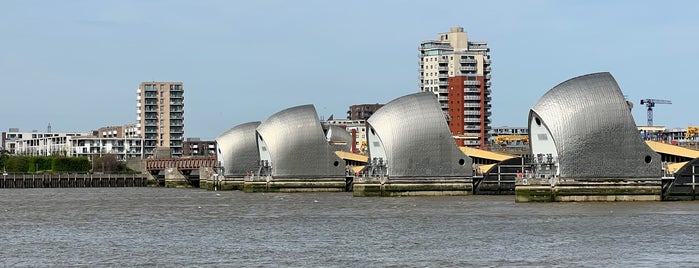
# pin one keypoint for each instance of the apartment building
(457, 71)
(362, 111)
(160, 120)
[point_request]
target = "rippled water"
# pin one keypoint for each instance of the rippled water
(191, 227)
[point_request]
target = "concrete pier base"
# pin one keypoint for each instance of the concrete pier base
(225, 184)
(411, 187)
(588, 190)
(151, 181)
(175, 179)
(289, 185)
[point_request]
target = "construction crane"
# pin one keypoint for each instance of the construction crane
(650, 103)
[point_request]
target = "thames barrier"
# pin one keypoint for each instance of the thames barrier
(410, 151)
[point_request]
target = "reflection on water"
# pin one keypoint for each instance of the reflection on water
(176, 227)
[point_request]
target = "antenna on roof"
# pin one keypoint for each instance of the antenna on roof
(48, 129)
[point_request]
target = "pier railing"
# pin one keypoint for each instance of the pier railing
(73, 180)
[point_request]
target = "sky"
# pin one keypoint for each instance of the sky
(77, 64)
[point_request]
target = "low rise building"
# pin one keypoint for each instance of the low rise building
(106, 140)
(198, 147)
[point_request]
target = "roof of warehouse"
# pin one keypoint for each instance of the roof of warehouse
(473, 152)
(670, 149)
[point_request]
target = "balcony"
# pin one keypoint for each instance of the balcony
(443, 83)
(472, 142)
(176, 102)
(472, 120)
(443, 68)
(468, 61)
(469, 68)
(434, 46)
(472, 98)
(477, 47)
(441, 98)
(472, 83)
(468, 112)
(441, 75)
(472, 105)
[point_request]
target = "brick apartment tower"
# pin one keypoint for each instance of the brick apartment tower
(161, 117)
(458, 72)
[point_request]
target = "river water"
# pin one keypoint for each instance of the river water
(190, 227)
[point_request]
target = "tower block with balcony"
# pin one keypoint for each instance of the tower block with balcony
(457, 71)
(161, 118)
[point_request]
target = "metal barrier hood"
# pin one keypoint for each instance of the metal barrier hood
(297, 145)
(412, 136)
(237, 149)
(339, 138)
(586, 125)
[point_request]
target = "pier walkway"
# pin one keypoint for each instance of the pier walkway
(24, 180)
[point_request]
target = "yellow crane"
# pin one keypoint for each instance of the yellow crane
(691, 132)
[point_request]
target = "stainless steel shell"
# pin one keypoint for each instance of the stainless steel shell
(238, 149)
(298, 146)
(416, 139)
(339, 138)
(593, 130)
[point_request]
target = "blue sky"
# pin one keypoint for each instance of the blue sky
(77, 64)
